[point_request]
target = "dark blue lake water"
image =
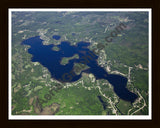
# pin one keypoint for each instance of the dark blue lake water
(65, 73)
(56, 37)
(73, 34)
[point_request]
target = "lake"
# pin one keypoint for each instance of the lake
(46, 56)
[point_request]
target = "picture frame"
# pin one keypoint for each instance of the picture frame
(153, 122)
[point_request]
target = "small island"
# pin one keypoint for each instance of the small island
(65, 60)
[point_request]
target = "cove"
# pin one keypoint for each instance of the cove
(103, 103)
(56, 37)
(51, 60)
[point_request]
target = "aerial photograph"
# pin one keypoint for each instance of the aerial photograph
(79, 63)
